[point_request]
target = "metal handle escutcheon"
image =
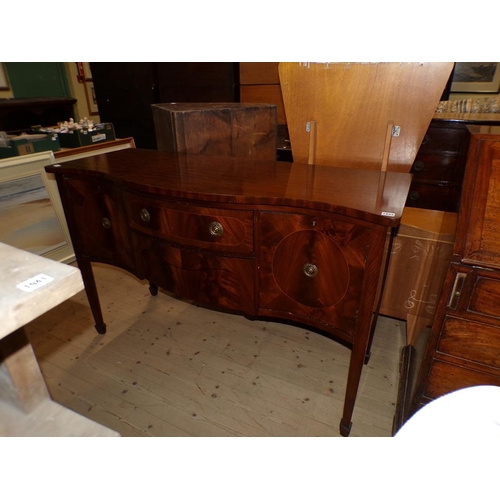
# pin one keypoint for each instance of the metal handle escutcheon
(106, 224)
(457, 290)
(145, 215)
(310, 270)
(216, 229)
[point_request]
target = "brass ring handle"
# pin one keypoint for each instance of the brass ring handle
(310, 270)
(106, 224)
(216, 229)
(145, 215)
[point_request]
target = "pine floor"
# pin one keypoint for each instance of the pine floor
(166, 367)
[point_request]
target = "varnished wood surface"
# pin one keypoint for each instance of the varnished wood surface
(363, 194)
(353, 104)
(172, 202)
(439, 166)
(265, 93)
(477, 237)
(259, 73)
(333, 297)
(463, 348)
(226, 129)
(260, 82)
(168, 368)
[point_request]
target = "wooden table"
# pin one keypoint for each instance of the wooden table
(30, 286)
(269, 239)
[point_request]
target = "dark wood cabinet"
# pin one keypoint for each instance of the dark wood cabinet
(265, 238)
(464, 347)
(125, 91)
(20, 115)
(438, 169)
(439, 166)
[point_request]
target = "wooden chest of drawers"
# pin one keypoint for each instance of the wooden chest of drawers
(265, 238)
(464, 347)
(438, 169)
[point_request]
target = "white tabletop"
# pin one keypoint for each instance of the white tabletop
(31, 285)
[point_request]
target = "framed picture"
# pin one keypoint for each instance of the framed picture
(476, 77)
(31, 214)
(4, 81)
(87, 71)
(91, 98)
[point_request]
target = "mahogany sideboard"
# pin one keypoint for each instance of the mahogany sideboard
(264, 238)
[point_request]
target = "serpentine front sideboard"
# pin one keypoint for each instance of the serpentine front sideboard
(264, 238)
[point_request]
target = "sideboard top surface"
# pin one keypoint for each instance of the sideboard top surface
(378, 197)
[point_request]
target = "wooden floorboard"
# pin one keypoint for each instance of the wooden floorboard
(167, 367)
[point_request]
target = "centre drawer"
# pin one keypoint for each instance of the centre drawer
(215, 229)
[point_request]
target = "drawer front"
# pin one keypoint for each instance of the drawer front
(433, 196)
(443, 139)
(226, 282)
(475, 294)
(434, 167)
(445, 378)
(470, 340)
(213, 229)
(485, 296)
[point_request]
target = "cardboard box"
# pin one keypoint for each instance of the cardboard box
(104, 132)
(420, 256)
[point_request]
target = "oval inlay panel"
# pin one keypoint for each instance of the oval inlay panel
(328, 286)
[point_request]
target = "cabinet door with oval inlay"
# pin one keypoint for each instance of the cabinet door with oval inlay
(312, 268)
(98, 227)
